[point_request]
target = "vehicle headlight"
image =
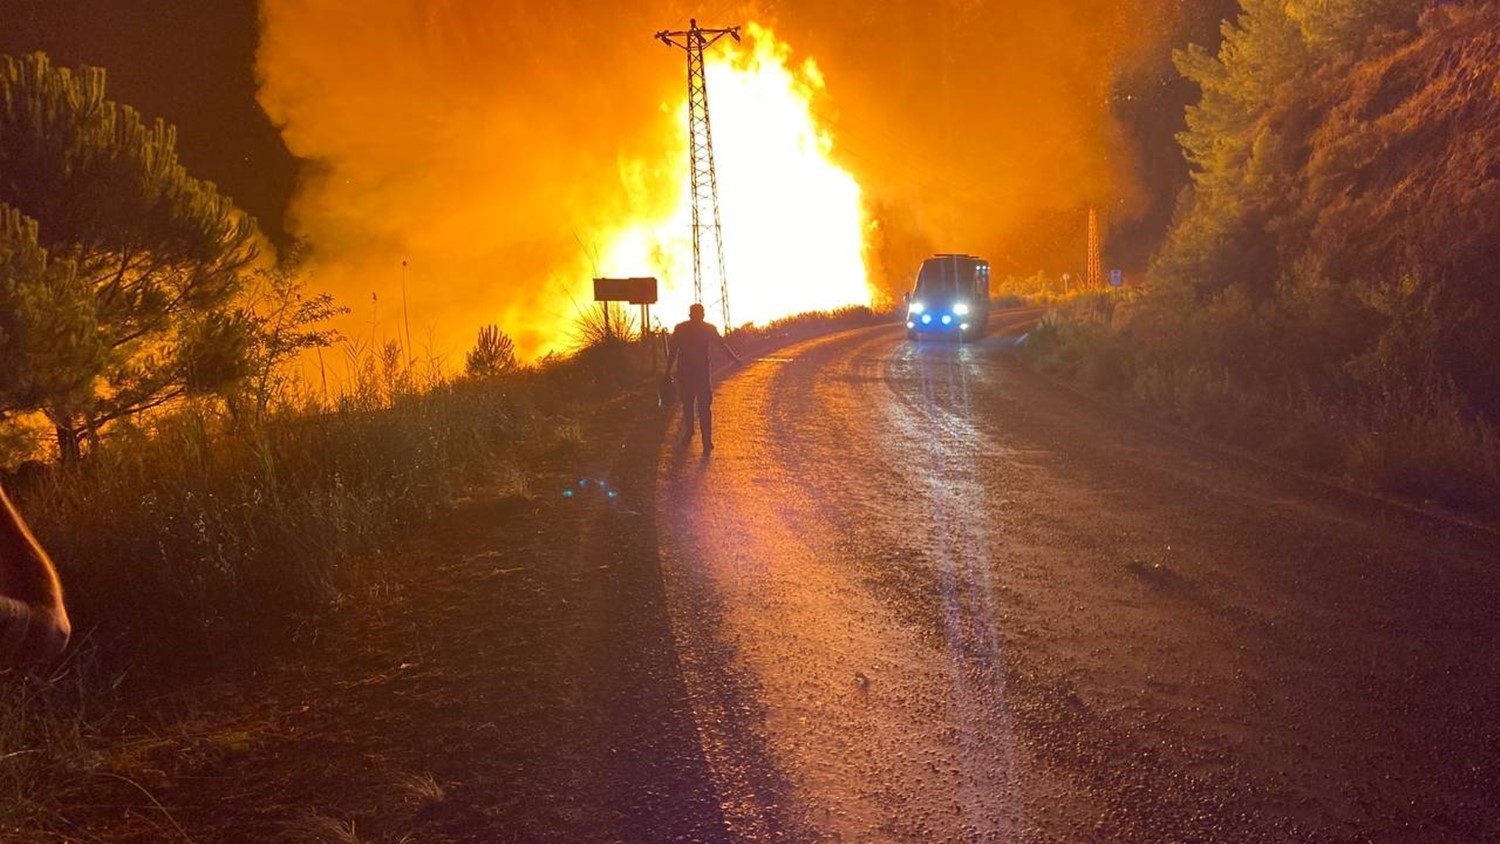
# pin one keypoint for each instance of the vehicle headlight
(916, 308)
(962, 309)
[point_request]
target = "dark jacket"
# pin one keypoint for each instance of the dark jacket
(691, 346)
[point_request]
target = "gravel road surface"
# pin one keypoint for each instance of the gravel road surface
(920, 594)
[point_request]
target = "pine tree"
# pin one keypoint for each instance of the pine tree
(49, 342)
(161, 253)
(493, 353)
(1247, 137)
(1344, 203)
(1220, 239)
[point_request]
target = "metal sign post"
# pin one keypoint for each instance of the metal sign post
(636, 291)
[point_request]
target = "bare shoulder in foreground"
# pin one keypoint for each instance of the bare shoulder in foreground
(34, 623)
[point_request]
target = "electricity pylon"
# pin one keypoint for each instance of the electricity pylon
(705, 182)
(1096, 269)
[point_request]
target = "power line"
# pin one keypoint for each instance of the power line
(704, 180)
(1096, 270)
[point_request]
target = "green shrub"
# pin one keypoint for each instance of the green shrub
(1385, 419)
(1426, 449)
(226, 526)
(1079, 339)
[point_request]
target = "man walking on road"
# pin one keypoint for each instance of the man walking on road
(692, 341)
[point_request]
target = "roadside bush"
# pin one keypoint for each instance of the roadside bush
(1386, 420)
(1033, 286)
(1325, 291)
(225, 527)
(231, 528)
(1422, 446)
(746, 339)
(1207, 401)
(1078, 338)
(494, 353)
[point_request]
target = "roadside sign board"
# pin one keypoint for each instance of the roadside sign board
(636, 291)
(1116, 278)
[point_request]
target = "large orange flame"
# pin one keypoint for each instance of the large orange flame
(473, 162)
(792, 219)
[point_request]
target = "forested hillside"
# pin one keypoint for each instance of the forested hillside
(1328, 287)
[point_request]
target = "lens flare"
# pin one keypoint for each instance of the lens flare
(792, 219)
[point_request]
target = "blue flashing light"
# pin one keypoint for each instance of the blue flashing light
(947, 319)
(927, 319)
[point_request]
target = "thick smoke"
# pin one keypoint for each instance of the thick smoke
(982, 126)
(492, 143)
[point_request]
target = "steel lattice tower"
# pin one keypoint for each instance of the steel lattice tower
(705, 182)
(1096, 269)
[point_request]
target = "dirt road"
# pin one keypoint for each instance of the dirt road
(919, 594)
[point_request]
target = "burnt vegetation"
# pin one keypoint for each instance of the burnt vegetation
(1327, 288)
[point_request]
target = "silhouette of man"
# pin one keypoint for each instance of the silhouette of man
(692, 341)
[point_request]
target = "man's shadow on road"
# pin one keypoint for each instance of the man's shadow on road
(686, 464)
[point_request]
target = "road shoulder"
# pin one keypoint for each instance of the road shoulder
(507, 671)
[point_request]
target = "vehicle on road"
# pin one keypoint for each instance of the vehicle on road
(951, 298)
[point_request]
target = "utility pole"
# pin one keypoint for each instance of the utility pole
(406, 317)
(705, 183)
(1096, 268)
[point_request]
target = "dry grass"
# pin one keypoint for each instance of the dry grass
(235, 531)
(421, 790)
(316, 828)
(49, 724)
(1404, 437)
(226, 526)
(749, 338)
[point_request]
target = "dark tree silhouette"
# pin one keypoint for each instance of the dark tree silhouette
(48, 338)
(1339, 233)
(285, 321)
(161, 253)
(493, 353)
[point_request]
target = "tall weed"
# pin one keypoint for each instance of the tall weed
(222, 526)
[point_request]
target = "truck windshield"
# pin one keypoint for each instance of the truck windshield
(938, 280)
(936, 288)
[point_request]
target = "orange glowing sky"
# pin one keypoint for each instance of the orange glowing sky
(508, 151)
